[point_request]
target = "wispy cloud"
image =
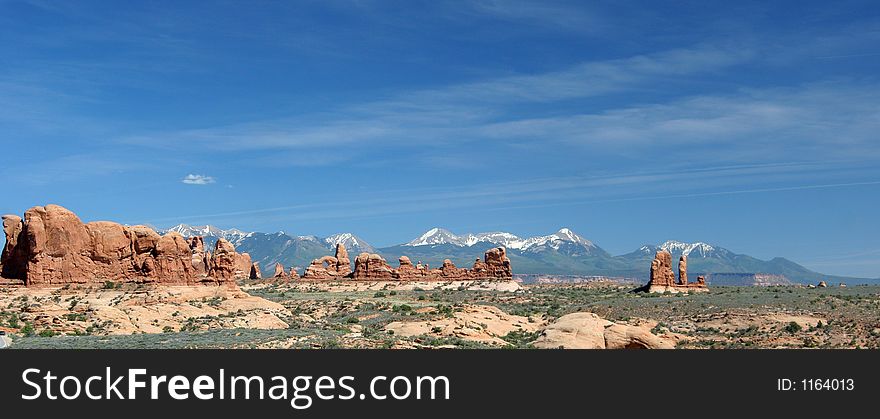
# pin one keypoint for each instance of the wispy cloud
(453, 114)
(559, 191)
(192, 179)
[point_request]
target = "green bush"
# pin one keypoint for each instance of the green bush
(48, 333)
(28, 329)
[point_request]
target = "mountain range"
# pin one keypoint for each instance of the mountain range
(561, 253)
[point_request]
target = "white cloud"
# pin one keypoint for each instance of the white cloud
(192, 179)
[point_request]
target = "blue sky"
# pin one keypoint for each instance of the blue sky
(748, 125)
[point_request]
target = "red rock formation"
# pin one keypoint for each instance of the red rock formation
(322, 268)
(661, 269)
(496, 266)
(408, 270)
(663, 278)
(51, 246)
(255, 271)
(372, 266)
(343, 263)
(201, 259)
(13, 260)
(225, 263)
(243, 265)
(497, 263)
(279, 271)
(682, 270)
(330, 267)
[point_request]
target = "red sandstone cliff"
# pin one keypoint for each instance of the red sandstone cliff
(52, 246)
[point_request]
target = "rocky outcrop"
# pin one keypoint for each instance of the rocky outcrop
(589, 331)
(255, 272)
(14, 260)
(330, 267)
(495, 266)
(682, 270)
(372, 266)
(663, 277)
(226, 264)
(343, 263)
(201, 259)
(52, 246)
(369, 266)
(279, 271)
(661, 269)
(322, 268)
(497, 263)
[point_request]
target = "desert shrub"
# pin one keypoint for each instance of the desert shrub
(521, 338)
(48, 333)
(793, 328)
(403, 308)
(28, 329)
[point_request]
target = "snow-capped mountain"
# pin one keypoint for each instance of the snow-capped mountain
(564, 240)
(437, 236)
(696, 249)
(353, 243)
(233, 235)
(510, 241)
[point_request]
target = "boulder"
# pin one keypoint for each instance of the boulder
(574, 331)
(622, 336)
(589, 331)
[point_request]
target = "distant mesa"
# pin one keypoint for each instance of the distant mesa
(663, 277)
(51, 246)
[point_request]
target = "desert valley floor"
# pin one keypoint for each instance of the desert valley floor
(475, 314)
